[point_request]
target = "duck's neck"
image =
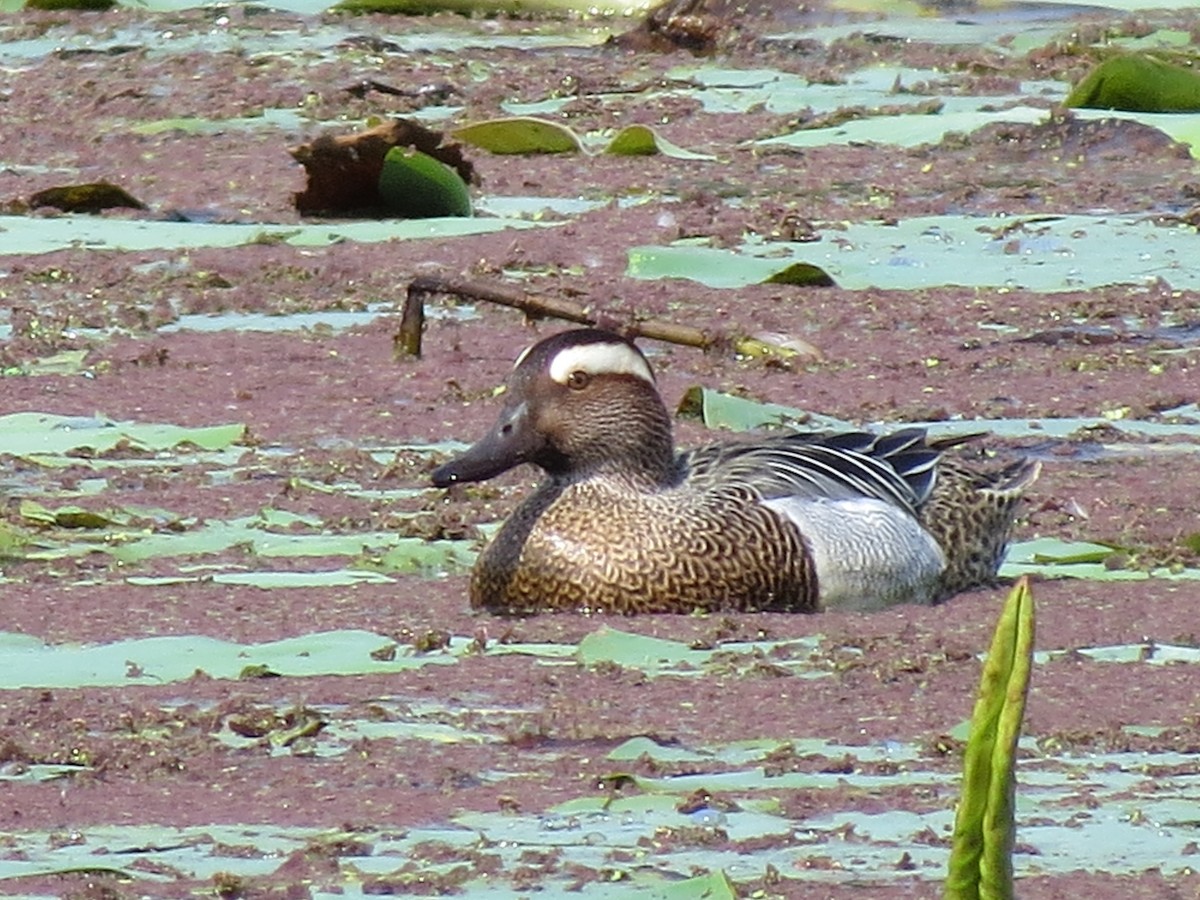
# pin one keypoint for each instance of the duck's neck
(638, 446)
(647, 450)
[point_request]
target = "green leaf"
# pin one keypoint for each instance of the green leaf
(641, 140)
(985, 825)
(1139, 83)
(416, 186)
(520, 134)
(633, 140)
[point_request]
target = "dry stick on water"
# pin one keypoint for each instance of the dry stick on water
(408, 339)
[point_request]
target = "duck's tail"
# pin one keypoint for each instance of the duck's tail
(970, 513)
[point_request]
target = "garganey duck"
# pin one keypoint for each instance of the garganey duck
(798, 522)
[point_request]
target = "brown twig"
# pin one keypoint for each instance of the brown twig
(408, 339)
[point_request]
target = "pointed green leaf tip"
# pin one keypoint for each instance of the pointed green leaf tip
(414, 185)
(1138, 83)
(985, 826)
(519, 134)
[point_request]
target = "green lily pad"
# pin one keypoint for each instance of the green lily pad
(519, 134)
(719, 410)
(1059, 552)
(417, 555)
(65, 362)
(637, 747)
(905, 130)
(267, 580)
(1039, 254)
(1140, 83)
(68, 516)
(23, 434)
(27, 662)
(713, 886)
(635, 651)
(641, 140)
(1054, 558)
(414, 185)
(279, 118)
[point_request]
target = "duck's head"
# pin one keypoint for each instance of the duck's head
(577, 402)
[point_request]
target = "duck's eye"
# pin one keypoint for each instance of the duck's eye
(578, 379)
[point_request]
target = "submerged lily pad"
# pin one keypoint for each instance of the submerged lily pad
(1053, 253)
(34, 235)
(905, 130)
(719, 410)
(1054, 558)
(608, 645)
(23, 434)
(267, 580)
(27, 662)
(658, 656)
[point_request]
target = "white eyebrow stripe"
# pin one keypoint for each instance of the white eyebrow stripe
(521, 358)
(599, 359)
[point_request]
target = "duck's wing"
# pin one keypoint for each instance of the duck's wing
(899, 468)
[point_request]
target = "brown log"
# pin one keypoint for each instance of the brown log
(407, 341)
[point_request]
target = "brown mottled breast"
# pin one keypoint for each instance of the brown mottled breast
(601, 546)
